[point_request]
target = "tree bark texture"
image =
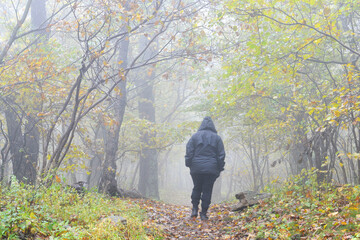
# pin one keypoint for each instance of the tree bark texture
(24, 143)
(148, 172)
(108, 183)
(24, 148)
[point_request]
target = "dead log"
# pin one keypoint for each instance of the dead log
(248, 199)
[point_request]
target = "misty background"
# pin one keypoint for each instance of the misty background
(109, 91)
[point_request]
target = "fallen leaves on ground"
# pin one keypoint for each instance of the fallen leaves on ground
(295, 211)
(175, 221)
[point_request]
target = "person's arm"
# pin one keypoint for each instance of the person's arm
(221, 155)
(190, 150)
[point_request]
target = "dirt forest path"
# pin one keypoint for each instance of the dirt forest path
(175, 222)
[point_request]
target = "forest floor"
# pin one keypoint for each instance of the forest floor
(295, 211)
(175, 222)
(299, 208)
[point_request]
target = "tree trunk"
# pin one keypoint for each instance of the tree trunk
(24, 146)
(95, 171)
(93, 178)
(39, 20)
(320, 148)
(298, 149)
(5, 150)
(148, 178)
(24, 156)
(108, 183)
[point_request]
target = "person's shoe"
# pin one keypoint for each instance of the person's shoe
(194, 212)
(203, 216)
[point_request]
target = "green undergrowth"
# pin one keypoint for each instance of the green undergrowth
(304, 209)
(56, 212)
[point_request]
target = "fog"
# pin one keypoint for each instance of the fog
(109, 92)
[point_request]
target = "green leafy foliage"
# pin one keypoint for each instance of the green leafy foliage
(304, 209)
(59, 213)
(291, 79)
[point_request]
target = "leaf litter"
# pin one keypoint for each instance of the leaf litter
(175, 222)
(292, 213)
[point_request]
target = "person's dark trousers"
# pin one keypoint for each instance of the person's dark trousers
(203, 186)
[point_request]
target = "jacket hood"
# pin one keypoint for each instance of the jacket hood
(207, 124)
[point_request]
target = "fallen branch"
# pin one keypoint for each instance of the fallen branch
(248, 199)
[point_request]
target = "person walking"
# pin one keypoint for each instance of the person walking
(205, 156)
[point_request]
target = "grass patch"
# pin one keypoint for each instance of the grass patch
(303, 209)
(28, 213)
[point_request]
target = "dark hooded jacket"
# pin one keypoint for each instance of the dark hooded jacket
(205, 152)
